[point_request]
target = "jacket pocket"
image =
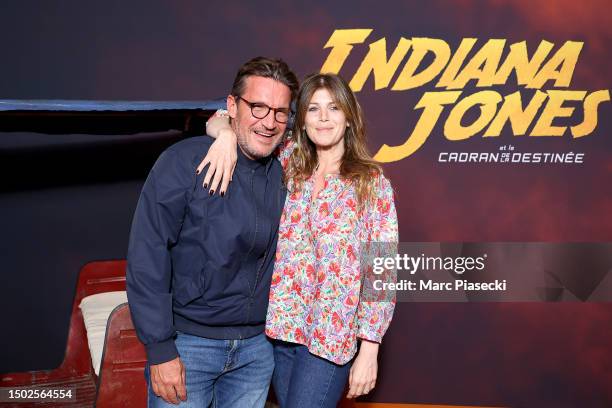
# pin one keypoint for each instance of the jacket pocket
(189, 291)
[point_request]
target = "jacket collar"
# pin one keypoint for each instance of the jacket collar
(247, 163)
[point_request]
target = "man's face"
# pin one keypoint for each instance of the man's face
(258, 138)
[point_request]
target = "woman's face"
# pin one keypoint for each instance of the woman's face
(325, 122)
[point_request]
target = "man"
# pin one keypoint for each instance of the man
(200, 264)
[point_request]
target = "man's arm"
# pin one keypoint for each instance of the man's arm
(155, 229)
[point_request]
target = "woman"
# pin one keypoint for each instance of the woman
(337, 199)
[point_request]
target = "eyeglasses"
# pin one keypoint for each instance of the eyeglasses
(261, 110)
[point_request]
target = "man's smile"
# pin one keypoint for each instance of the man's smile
(263, 133)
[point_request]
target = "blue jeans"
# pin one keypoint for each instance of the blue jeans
(222, 373)
(303, 380)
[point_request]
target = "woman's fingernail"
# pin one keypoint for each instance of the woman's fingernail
(205, 185)
(211, 192)
(222, 193)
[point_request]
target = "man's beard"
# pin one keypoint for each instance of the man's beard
(246, 148)
(249, 151)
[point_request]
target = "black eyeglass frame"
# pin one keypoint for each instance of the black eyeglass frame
(252, 105)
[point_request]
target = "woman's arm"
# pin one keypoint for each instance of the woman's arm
(374, 314)
(218, 122)
(362, 377)
(221, 157)
(222, 153)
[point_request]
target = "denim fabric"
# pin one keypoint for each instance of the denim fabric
(222, 373)
(303, 380)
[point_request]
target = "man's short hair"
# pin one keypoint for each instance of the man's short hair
(274, 68)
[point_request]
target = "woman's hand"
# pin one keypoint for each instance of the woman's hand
(362, 377)
(221, 157)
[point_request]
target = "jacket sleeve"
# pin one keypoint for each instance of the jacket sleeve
(375, 310)
(155, 229)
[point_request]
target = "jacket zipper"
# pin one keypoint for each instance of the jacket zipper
(252, 294)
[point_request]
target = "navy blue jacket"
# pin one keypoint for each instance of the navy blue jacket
(198, 263)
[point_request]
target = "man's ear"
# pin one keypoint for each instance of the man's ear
(232, 106)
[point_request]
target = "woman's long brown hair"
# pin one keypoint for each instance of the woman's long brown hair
(357, 164)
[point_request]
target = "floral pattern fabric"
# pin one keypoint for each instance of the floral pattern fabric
(315, 292)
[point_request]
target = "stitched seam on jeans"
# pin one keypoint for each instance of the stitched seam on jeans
(231, 356)
(328, 385)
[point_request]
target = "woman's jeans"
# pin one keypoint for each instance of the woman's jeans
(224, 373)
(304, 380)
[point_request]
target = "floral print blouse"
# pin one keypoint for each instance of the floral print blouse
(315, 292)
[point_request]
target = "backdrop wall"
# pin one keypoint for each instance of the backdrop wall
(527, 354)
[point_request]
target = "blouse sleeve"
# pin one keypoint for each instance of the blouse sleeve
(284, 150)
(374, 314)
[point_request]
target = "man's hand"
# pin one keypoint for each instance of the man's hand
(168, 381)
(362, 377)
